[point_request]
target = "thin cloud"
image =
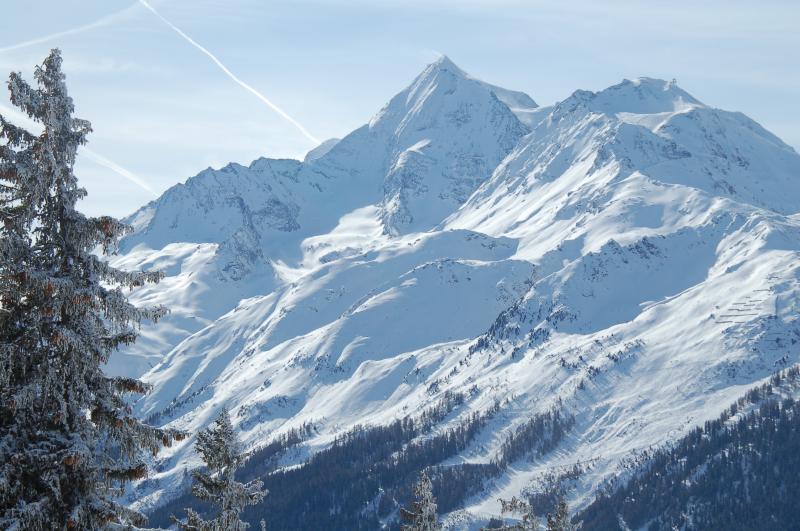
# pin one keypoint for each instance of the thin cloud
(66, 33)
(231, 75)
(119, 170)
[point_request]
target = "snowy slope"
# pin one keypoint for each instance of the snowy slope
(629, 256)
(256, 227)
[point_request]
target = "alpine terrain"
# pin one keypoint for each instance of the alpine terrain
(522, 300)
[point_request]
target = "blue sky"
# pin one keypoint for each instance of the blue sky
(162, 110)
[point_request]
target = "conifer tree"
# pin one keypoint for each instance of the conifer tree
(516, 505)
(68, 439)
(422, 516)
(219, 448)
(560, 520)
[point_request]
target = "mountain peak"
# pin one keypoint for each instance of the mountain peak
(441, 73)
(644, 95)
(443, 134)
(444, 77)
(446, 64)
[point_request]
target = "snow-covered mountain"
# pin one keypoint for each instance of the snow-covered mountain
(239, 231)
(629, 257)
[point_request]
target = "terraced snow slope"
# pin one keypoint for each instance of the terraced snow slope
(631, 255)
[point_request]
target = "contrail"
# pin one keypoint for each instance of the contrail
(231, 74)
(39, 40)
(96, 157)
(116, 168)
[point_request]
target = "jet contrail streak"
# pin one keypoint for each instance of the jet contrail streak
(39, 40)
(116, 168)
(35, 128)
(231, 75)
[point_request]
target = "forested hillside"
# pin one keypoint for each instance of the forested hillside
(739, 472)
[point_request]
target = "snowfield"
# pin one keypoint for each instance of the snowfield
(632, 255)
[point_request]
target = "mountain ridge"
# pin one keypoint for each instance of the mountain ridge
(601, 242)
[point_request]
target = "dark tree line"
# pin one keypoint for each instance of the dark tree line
(540, 433)
(367, 474)
(740, 471)
(340, 487)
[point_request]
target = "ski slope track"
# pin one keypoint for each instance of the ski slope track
(632, 254)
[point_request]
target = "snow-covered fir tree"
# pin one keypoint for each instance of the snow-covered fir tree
(422, 515)
(219, 448)
(560, 521)
(518, 506)
(68, 440)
